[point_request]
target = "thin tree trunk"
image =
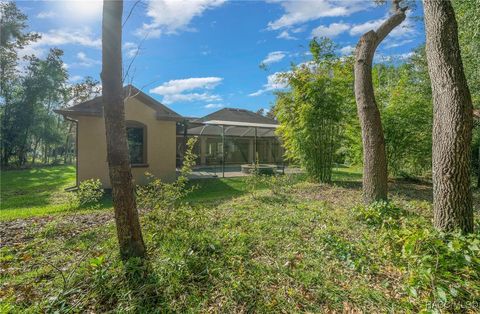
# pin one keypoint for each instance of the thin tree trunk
(452, 120)
(35, 151)
(67, 142)
(126, 216)
(375, 176)
(478, 168)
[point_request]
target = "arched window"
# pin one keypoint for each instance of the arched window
(137, 143)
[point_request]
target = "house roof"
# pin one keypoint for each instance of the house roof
(233, 122)
(94, 107)
(237, 115)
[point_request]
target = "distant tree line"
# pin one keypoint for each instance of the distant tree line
(32, 87)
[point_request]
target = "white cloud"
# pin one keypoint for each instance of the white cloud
(75, 78)
(172, 98)
(59, 37)
(360, 29)
(212, 106)
(85, 61)
(406, 29)
(301, 11)
(274, 82)
(171, 16)
(347, 50)
(131, 49)
(331, 30)
(173, 90)
(179, 86)
(392, 58)
(46, 14)
(286, 35)
(275, 56)
(394, 44)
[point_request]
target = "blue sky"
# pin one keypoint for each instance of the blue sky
(200, 55)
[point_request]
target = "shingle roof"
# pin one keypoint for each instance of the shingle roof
(94, 107)
(237, 115)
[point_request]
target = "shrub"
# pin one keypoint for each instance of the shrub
(279, 184)
(88, 195)
(379, 214)
(442, 269)
(254, 180)
(159, 195)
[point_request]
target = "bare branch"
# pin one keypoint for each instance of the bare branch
(130, 12)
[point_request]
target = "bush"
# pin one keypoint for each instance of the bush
(162, 196)
(443, 269)
(379, 214)
(88, 195)
(440, 269)
(279, 184)
(254, 180)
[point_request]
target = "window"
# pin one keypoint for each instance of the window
(137, 147)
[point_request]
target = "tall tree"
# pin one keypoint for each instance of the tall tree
(375, 176)
(126, 216)
(312, 112)
(13, 37)
(452, 120)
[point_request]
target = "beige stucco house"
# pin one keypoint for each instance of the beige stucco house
(157, 135)
(151, 129)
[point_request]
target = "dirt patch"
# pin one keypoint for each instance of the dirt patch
(19, 231)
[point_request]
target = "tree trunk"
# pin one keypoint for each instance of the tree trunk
(478, 168)
(126, 216)
(452, 120)
(67, 142)
(375, 176)
(35, 147)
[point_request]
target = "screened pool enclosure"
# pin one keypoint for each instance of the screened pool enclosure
(225, 146)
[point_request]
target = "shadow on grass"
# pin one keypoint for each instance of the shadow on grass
(408, 190)
(34, 187)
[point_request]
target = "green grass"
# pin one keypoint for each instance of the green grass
(33, 192)
(310, 248)
(41, 191)
(302, 251)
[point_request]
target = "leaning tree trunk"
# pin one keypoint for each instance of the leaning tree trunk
(375, 176)
(126, 216)
(452, 120)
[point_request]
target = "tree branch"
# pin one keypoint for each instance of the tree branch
(393, 21)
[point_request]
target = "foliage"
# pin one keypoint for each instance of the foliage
(403, 95)
(442, 268)
(162, 196)
(30, 90)
(379, 214)
(308, 251)
(279, 184)
(88, 195)
(407, 116)
(254, 180)
(312, 113)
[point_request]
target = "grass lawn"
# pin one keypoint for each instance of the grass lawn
(41, 191)
(37, 192)
(306, 248)
(303, 250)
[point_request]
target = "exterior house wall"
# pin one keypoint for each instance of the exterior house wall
(160, 141)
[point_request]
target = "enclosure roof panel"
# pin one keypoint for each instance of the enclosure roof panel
(241, 124)
(237, 115)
